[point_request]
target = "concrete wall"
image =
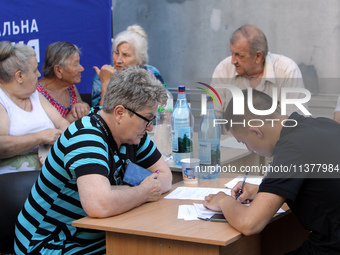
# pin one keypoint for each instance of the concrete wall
(188, 38)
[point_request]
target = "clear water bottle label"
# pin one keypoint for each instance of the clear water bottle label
(182, 140)
(204, 150)
(209, 152)
(174, 140)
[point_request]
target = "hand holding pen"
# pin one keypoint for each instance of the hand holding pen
(242, 185)
(244, 192)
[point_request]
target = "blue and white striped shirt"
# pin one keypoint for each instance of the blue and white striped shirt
(44, 224)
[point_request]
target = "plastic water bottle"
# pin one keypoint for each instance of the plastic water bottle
(182, 128)
(209, 144)
(163, 136)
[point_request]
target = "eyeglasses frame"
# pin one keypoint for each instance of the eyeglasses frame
(149, 122)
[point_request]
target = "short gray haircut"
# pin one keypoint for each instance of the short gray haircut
(135, 36)
(135, 88)
(58, 53)
(13, 58)
(257, 40)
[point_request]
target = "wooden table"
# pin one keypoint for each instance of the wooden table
(153, 229)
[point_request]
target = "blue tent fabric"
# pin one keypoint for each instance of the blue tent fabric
(85, 23)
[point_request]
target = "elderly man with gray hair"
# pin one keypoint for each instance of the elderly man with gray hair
(252, 65)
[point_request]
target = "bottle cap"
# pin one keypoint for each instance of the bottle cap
(209, 99)
(181, 88)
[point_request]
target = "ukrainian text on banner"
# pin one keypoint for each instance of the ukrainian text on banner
(85, 23)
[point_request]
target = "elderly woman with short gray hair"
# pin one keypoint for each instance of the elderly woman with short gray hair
(62, 70)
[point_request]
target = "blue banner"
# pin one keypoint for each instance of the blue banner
(85, 23)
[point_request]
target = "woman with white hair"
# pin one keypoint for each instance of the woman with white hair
(130, 47)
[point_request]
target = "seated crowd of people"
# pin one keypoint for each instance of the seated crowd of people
(61, 72)
(89, 146)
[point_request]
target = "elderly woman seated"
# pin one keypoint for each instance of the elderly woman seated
(129, 47)
(27, 118)
(84, 172)
(62, 70)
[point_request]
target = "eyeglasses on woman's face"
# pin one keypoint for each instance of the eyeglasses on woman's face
(148, 122)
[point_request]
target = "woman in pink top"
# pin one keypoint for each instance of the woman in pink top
(62, 70)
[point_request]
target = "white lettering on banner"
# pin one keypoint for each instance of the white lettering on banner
(16, 28)
(24, 27)
(35, 45)
(34, 26)
(8, 25)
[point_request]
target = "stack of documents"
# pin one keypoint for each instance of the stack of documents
(198, 211)
(194, 193)
(195, 212)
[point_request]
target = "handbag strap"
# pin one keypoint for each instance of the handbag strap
(131, 150)
(114, 177)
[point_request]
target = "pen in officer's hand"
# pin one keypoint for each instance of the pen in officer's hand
(244, 180)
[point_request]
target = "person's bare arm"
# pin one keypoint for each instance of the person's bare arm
(248, 193)
(250, 219)
(165, 175)
(99, 199)
(11, 146)
(78, 110)
(58, 121)
(104, 74)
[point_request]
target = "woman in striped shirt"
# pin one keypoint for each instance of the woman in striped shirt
(83, 174)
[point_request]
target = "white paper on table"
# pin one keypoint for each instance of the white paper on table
(250, 179)
(194, 193)
(231, 142)
(204, 212)
(187, 212)
(196, 211)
